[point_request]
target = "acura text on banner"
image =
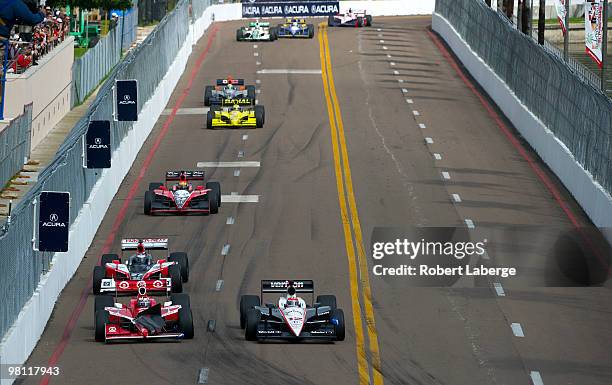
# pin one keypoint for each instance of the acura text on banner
(288, 9)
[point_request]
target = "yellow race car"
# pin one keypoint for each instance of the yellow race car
(235, 116)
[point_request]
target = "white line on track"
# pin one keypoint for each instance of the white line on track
(469, 223)
(404, 90)
(240, 154)
(392, 63)
(416, 113)
(378, 29)
(429, 140)
(422, 125)
(437, 156)
(235, 198)
(385, 47)
(226, 249)
(445, 175)
(409, 101)
(203, 376)
(536, 378)
(382, 41)
(237, 172)
(395, 72)
(457, 198)
(187, 111)
(230, 221)
(255, 46)
(400, 80)
(258, 91)
(256, 101)
(245, 137)
(499, 289)
(258, 63)
(249, 163)
(280, 71)
(517, 329)
(258, 81)
(219, 285)
(380, 35)
(389, 56)
(255, 53)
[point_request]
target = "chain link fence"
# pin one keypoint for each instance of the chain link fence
(20, 266)
(562, 97)
(15, 145)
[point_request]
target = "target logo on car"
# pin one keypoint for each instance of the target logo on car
(124, 285)
(140, 284)
(158, 284)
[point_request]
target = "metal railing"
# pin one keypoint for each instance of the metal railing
(15, 145)
(20, 266)
(565, 98)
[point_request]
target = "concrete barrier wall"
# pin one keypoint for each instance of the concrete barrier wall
(595, 201)
(46, 86)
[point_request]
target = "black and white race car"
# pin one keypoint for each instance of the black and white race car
(350, 18)
(291, 318)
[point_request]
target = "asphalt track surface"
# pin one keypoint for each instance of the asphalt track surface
(316, 213)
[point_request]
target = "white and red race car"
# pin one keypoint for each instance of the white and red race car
(115, 276)
(182, 197)
(291, 318)
(350, 18)
(143, 318)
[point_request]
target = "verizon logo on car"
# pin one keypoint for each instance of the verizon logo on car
(53, 221)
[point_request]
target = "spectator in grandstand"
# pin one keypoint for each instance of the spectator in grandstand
(13, 10)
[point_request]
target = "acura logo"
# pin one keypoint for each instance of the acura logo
(53, 217)
(98, 140)
(126, 97)
(53, 221)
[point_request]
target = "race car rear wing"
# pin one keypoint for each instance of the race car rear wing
(235, 82)
(190, 175)
(240, 101)
(149, 244)
(280, 286)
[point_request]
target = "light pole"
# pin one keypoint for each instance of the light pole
(604, 47)
(5, 47)
(566, 37)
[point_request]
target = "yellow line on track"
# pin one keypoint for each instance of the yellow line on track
(342, 164)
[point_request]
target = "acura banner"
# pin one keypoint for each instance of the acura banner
(288, 9)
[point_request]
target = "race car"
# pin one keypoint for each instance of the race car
(179, 196)
(232, 89)
(294, 27)
(291, 318)
(115, 276)
(234, 115)
(256, 31)
(350, 18)
(143, 318)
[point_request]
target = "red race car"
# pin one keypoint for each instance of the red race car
(143, 318)
(182, 197)
(139, 269)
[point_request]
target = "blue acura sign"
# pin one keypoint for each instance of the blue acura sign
(288, 9)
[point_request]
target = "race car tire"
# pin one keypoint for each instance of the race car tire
(186, 322)
(239, 35)
(330, 21)
(183, 262)
(148, 202)
(108, 258)
(327, 300)
(176, 284)
(247, 302)
(213, 202)
(217, 187)
(251, 93)
(209, 120)
(359, 22)
(260, 116)
(368, 20)
(155, 185)
(180, 299)
(99, 274)
(208, 94)
(311, 31)
(338, 316)
(253, 317)
(101, 319)
(102, 301)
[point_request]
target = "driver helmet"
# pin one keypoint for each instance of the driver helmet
(140, 249)
(230, 87)
(182, 180)
(143, 302)
(293, 302)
